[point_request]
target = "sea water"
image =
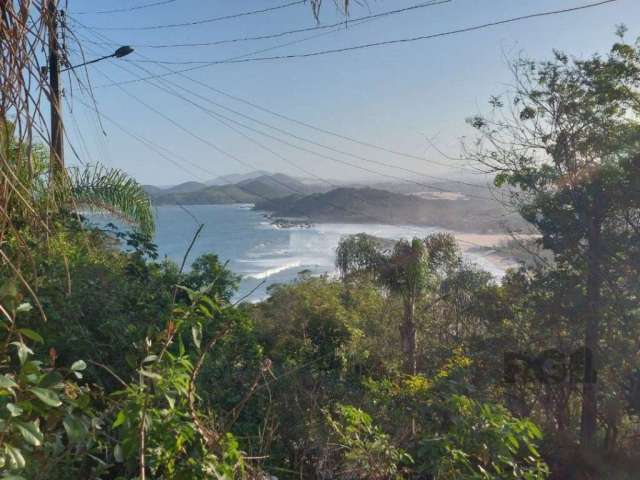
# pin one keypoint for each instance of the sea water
(261, 253)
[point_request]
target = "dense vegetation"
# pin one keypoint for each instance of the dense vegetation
(413, 364)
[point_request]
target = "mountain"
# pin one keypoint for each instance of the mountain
(236, 178)
(251, 190)
(185, 187)
(274, 186)
(370, 205)
(152, 190)
(215, 195)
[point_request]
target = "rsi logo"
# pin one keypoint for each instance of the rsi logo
(550, 366)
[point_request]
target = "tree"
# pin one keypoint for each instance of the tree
(568, 146)
(409, 270)
(208, 272)
(112, 191)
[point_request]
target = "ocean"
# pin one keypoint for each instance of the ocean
(261, 253)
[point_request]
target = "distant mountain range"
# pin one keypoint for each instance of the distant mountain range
(237, 178)
(447, 205)
(238, 188)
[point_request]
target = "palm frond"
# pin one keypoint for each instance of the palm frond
(110, 190)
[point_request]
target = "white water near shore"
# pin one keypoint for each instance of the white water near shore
(260, 252)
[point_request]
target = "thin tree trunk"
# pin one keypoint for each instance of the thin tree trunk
(588, 421)
(408, 338)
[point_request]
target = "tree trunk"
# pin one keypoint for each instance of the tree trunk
(588, 421)
(408, 338)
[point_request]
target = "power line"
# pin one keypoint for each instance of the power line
(128, 9)
(204, 63)
(305, 124)
(295, 31)
(217, 116)
(287, 186)
(327, 157)
(207, 20)
(360, 142)
(158, 149)
(264, 109)
(203, 140)
(275, 47)
(306, 140)
(151, 144)
(167, 154)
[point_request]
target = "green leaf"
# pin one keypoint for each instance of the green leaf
(121, 417)
(78, 366)
(150, 359)
(51, 380)
(111, 190)
(196, 333)
(7, 382)
(15, 410)
(118, 455)
(46, 396)
(30, 432)
(23, 351)
(16, 460)
(24, 307)
(75, 428)
(149, 374)
(35, 336)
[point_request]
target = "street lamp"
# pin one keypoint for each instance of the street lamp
(119, 53)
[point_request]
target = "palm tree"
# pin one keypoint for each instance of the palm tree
(409, 270)
(26, 196)
(110, 190)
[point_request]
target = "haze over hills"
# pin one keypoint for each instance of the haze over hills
(251, 188)
(236, 178)
(458, 206)
(371, 205)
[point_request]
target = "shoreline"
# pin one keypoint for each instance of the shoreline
(484, 246)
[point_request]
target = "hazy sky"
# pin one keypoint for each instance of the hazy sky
(394, 96)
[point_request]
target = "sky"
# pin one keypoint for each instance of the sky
(410, 97)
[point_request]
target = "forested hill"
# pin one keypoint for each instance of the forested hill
(370, 205)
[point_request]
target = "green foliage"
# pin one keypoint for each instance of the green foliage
(208, 272)
(114, 364)
(570, 156)
(42, 408)
(159, 411)
(110, 190)
(365, 451)
(485, 442)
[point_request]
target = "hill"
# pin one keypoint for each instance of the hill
(185, 187)
(370, 205)
(249, 190)
(274, 186)
(235, 178)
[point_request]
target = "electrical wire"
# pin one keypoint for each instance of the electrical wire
(217, 116)
(294, 31)
(206, 20)
(279, 115)
(203, 63)
(127, 9)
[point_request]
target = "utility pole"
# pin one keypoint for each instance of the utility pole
(56, 162)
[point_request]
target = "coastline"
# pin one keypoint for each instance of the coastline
(483, 246)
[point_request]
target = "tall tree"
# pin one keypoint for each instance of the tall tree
(409, 270)
(567, 143)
